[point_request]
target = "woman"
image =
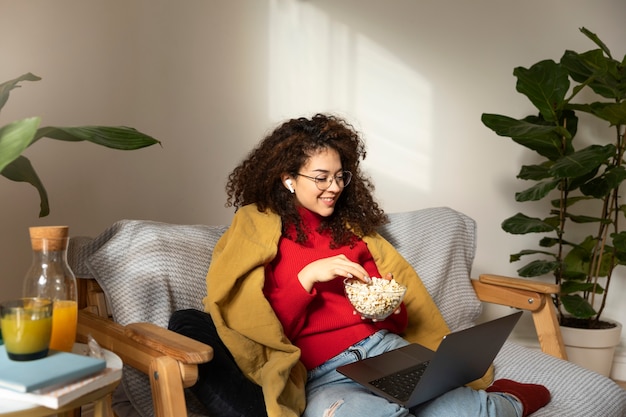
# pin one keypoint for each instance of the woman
(305, 220)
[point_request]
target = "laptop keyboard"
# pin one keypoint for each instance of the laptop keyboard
(400, 385)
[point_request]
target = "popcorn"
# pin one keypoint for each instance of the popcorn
(376, 300)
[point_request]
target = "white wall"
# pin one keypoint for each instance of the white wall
(210, 77)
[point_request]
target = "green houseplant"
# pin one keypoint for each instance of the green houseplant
(579, 175)
(15, 137)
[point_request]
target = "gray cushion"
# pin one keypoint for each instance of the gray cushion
(440, 245)
(150, 269)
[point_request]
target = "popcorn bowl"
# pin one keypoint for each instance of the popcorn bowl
(377, 300)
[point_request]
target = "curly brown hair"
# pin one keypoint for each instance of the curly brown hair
(285, 150)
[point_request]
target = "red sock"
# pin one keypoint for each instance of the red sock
(532, 396)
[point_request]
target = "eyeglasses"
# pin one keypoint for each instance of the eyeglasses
(323, 181)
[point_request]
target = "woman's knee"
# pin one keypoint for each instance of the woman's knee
(347, 401)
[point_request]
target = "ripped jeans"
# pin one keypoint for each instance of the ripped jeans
(330, 394)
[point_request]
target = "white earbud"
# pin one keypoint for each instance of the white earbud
(289, 185)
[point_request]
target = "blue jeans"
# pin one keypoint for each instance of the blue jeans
(330, 394)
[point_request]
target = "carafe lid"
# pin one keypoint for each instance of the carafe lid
(56, 235)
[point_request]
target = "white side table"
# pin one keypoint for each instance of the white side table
(100, 397)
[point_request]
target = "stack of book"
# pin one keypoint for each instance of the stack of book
(55, 380)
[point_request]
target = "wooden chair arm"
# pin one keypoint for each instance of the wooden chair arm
(140, 344)
(532, 296)
(172, 344)
(519, 283)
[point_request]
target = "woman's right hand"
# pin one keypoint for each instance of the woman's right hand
(327, 269)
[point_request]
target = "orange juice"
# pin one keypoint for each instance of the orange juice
(26, 337)
(64, 321)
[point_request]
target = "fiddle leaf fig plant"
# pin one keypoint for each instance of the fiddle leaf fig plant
(15, 137)
(577, 176)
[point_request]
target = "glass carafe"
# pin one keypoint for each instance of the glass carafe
(50, 276)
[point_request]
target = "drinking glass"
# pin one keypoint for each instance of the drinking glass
(26, 327)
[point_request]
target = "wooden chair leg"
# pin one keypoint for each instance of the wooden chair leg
(547, 325)
(103, 407)
(71, 413)
(167, 388)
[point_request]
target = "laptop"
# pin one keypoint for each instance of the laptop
(414, 374)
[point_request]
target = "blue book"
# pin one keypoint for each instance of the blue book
(55, 369)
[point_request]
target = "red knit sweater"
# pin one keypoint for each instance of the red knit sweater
(321, 323)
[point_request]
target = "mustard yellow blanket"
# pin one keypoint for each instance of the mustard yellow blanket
(249, 328)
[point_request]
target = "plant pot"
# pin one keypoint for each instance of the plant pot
(592, 348)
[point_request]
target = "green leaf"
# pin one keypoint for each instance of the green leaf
(546, 140)
(601, 186)
(571, 287)
(517, 256)
(545, 84)
(576, 183)
(122, 138)
(578, 259)
(553, 221)
(614, 113)
(577, 306)
(521, 224)
(602, 74)
(14, 138)
(586, 219)
(596, 40)
(619, 245)
(7, 86)
(548, 242)
(583, 161)
(570, 201)
(572, 275)
(21, 170)
(537, 268)
(537, 192)
(535, 172)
